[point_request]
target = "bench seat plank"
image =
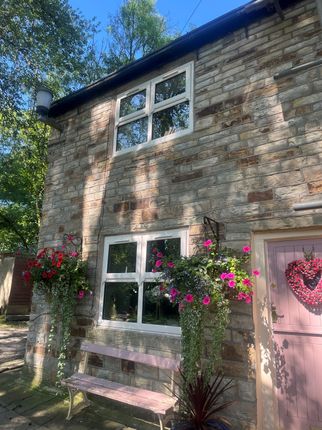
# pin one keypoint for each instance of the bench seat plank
(158, 403)
(138, 357)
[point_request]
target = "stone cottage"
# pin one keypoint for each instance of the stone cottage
(225, 123)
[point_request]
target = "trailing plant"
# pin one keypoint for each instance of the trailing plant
(203, 286)
(61, 276)
(202, 403)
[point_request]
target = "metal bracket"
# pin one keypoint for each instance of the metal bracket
(213, 226)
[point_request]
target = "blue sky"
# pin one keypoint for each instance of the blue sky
(177, 11)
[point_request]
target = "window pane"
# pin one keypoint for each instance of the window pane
(131, 134)
(170, 88)
(133, 103)
(170, 120)
(167, 247)
(122, 258)
(157, 308)
(120, 301)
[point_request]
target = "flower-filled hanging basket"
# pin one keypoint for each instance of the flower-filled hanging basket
(304, 277)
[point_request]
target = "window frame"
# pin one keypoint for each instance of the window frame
(151, 107)
(140, 276)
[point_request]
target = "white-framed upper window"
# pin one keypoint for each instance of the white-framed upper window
(130, 294)
(155, 110)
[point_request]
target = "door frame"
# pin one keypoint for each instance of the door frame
(267, 411)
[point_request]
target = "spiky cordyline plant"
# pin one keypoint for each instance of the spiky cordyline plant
(200, 404)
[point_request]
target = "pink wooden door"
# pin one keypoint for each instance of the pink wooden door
(297, 342)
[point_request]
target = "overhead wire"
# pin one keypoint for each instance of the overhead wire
(192, 13)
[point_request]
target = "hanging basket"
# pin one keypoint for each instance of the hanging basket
(304, 278)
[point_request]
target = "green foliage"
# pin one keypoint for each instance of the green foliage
(23, 164)
(136, 30)
(203, 286)
(40, 42)
(61, 276)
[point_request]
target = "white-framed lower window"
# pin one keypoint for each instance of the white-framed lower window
(155, 110)
(130, 294)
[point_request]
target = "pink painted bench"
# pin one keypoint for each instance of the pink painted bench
(158, 403)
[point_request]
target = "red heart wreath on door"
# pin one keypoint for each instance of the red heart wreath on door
(304, 277)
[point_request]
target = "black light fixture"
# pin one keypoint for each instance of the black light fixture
(44, 98)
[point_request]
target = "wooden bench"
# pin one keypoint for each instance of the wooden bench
(159, 403)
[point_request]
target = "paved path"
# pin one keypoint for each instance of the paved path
(22, 408)
(12, 347)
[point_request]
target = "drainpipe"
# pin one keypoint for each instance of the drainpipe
(319, 6)
(307, 206)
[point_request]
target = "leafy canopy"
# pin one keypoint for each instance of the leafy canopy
(136, 30)
(40, 41)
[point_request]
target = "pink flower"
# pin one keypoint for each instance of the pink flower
(223, 276)
(74, 254)
(154, 250)
(207, 243)
(241, 296)
(256, 272)
(189, 298)
(154, 270)
(247, 249)
(81, 294)
(247, 282)
(248, 299)
(173, 292)
(160, 255)
(231, 284)
(206, 300)
(171, 264)
(230, 275)
(158, 263)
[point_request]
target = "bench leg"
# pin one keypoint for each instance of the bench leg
(86, 402)
(71, 393)
(161, 422)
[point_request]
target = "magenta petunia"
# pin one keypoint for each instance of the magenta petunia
(230, 275)
(241, 296)
(207, 243)
(248, 299)
(223, 276)
(247, 249)
(173, 292)
(231, 284)
(81, 294)
(170, 264)
(160, 255)
(189, 298)
(206, 300)
(256, 272)
(247, 282)
(158, 263)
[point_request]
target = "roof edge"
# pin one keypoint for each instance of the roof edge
(213, 30)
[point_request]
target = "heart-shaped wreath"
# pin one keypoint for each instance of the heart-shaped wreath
(304, 277)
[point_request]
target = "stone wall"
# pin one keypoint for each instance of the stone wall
(256, 150)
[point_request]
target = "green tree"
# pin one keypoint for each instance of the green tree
(41, 41)
(23, 164)
(136, 30)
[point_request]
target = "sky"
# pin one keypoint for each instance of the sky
(178, 12)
